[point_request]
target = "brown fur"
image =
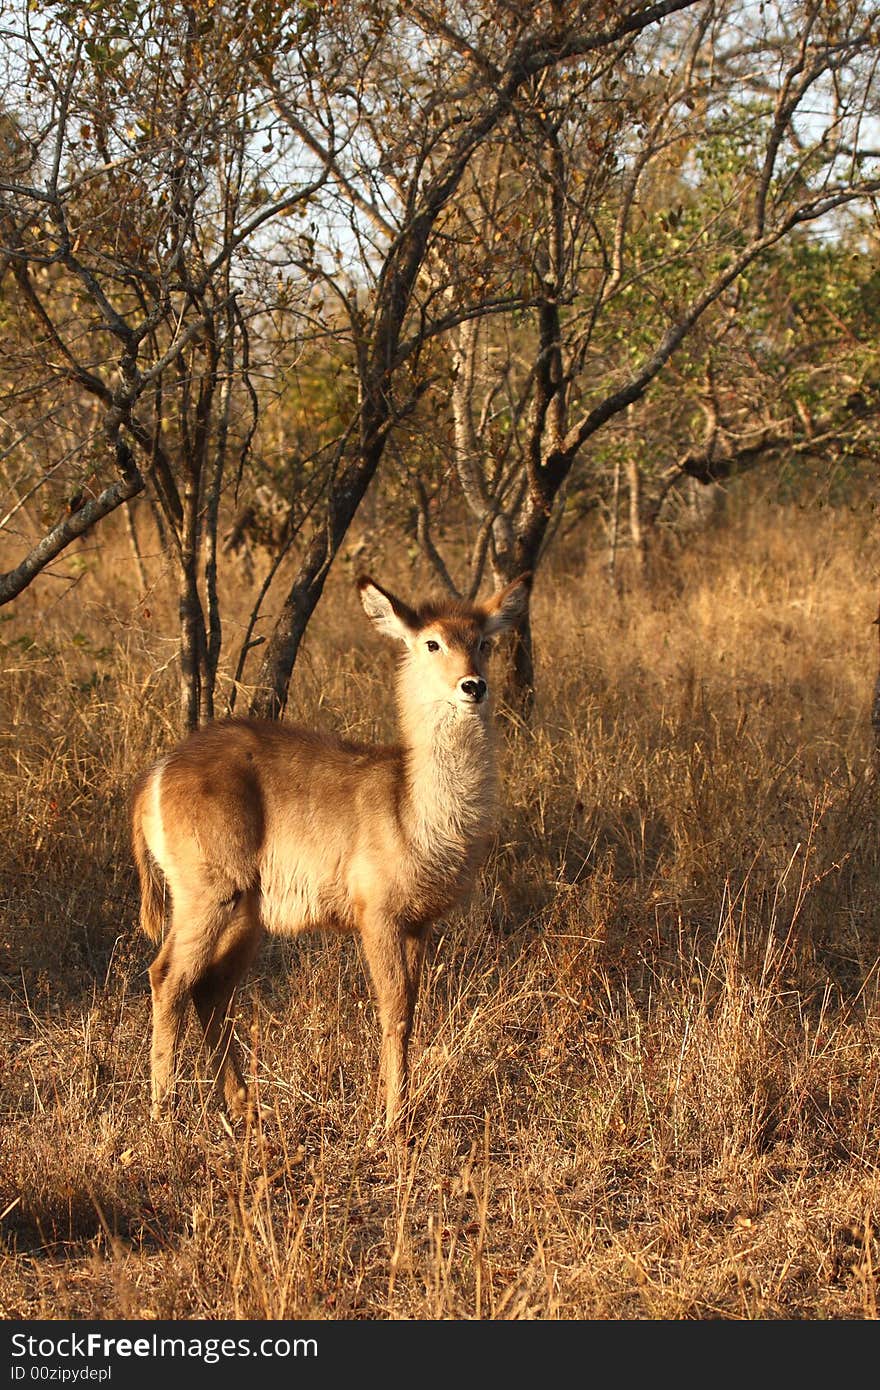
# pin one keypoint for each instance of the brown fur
(152, 917)
(255, 826)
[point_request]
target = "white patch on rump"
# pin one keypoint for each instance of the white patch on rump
(154, 830)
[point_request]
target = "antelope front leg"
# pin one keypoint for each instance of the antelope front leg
(394, 958)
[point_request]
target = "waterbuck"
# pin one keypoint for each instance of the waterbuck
(256, 826)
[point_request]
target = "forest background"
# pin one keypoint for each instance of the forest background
(449, 292)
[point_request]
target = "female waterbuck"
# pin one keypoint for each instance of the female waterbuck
(255, 826)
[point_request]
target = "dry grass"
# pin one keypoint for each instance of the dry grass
(647, 1056)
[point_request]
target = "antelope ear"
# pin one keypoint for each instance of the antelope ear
(503, 609)
(388, 614)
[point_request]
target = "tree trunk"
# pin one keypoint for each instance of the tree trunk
(636, 528)
(134, 542)
(521, 684)
(615, 528)
(273, 682)
(519, 688)
(190, 611)
(190, 664)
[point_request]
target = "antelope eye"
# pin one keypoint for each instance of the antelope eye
(432, 645)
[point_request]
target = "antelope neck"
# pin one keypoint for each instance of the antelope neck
(449, 776)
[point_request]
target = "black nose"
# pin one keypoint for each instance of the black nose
(474, 689)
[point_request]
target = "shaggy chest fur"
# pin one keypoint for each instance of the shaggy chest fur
(449, 811)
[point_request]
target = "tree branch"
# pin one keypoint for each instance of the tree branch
(127, 486)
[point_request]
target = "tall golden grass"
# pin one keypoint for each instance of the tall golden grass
(647, 1056)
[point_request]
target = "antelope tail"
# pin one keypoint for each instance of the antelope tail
(150, 875)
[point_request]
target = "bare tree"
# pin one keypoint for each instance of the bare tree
(131, 228)
(510, 216)
(726, 135)
(427, 91)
